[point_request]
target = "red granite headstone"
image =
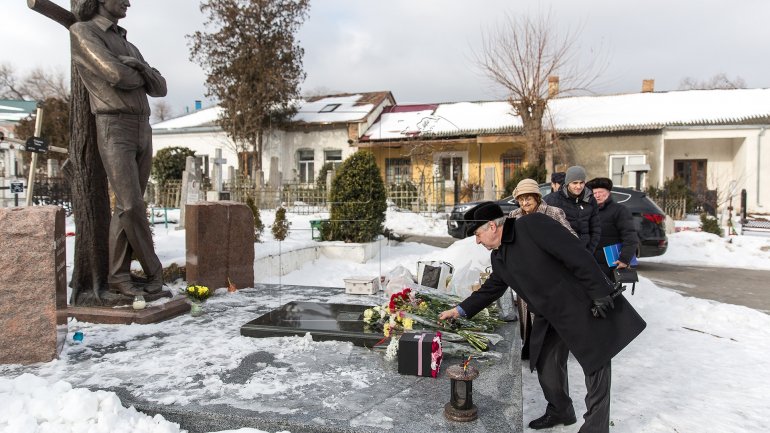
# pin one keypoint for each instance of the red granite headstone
(33, 282)
(220, 244)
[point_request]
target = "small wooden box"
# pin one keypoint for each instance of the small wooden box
(362, 285)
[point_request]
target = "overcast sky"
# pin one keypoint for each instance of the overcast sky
(422, 50)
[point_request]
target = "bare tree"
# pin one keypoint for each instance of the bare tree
(38, 85)
(10, 87)
(718, 81)
(253, 65)
(161, 110)
(521, 54)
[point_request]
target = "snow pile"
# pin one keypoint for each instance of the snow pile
(29, 404)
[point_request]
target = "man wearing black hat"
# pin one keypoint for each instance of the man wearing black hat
(552, 271)
(617, 227)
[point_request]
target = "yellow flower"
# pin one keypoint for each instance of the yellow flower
(386, 330)
(408, 323)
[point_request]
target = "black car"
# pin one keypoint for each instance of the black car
(649, 218)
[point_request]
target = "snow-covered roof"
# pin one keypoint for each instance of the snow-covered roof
(13, 110)
(583, 114)
(317, 110)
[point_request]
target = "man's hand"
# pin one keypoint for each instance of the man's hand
(620, 264)
(449, 314)
(602, 306)
(133, 62)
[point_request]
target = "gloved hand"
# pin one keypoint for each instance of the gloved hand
(602, 306)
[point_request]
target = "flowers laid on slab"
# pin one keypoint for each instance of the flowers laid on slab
(197, 293)
(408, 309)
(436, 353)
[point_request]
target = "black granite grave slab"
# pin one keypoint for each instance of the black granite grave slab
(324, 322)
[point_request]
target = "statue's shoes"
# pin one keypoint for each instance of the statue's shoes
(127, 288)
(154, 284)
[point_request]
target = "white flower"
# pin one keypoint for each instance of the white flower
(392, 351)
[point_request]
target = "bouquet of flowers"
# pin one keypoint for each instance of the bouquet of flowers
(197, 293)
(407, 309)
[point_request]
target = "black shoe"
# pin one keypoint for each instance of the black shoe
(548, 421)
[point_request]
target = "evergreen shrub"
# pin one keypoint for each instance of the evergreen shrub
(709, 224)
(259, 228)
(358, 201)
(281, 225)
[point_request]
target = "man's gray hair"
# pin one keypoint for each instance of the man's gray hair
(84, 10)
(500, 221)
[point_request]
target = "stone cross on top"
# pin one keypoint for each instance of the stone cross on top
(217, 170)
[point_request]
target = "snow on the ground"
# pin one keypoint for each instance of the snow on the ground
(700, 366)
(706, 249)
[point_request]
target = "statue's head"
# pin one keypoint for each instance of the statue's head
(113, 9)
(84, 10)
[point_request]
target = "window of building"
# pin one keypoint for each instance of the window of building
(333, 156)
(306, 161)
(617, 174)
(451, 168)
(510, 164)
(398, 170)
(329, 108)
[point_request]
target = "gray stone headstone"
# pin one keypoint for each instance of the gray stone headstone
(191, 187)
(33, 271)
(218, 162)
(216, 177)
(275, 173)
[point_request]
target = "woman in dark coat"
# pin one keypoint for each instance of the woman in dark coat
(617, 227)
(561, 282)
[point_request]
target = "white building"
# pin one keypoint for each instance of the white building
(325, 129)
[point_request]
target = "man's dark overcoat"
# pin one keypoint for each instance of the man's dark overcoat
(552, 271)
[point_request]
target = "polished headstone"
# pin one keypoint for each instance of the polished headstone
(324, 322)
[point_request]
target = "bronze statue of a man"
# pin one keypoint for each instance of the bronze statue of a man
(118, 82)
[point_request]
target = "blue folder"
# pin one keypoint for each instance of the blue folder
(612, 253)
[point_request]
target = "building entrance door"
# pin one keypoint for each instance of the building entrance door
(693, 172)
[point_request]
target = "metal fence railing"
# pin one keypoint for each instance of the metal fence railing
(426, 196)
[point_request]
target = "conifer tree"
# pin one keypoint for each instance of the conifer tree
(259, 227)
(281, 225)
(358, 201)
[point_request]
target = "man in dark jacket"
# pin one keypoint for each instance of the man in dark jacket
(617, 227)
(561, 282)
(579, 206)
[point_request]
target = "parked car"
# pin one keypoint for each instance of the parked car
(649, 219)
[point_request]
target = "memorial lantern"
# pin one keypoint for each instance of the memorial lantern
(460, 406)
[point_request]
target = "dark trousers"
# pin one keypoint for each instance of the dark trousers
(125, 147)
(552, 375)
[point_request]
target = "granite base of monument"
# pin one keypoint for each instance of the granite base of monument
(127, 315)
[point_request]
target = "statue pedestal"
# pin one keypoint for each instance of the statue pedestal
(127, 315)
